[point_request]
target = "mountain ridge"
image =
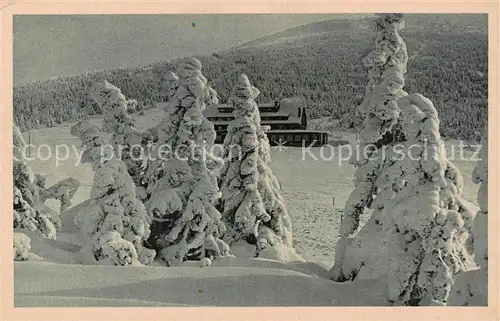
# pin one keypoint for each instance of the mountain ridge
(448, 63)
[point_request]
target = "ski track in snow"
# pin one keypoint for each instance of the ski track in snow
(308, 185)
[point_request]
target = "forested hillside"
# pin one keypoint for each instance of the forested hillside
(321, 62)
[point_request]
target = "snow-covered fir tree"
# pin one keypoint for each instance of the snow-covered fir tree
(173, 84)
(26, 217)
(275, 235)
(471, 287)
(120, 125)
(427, 244)
(168, 85)
(243, 208)
(386, 68)
(186, 225)
(18, 143)
(480, 225)
(379, 113)
(29, 213)
(24, 178)
(115, 225)
(153, 136)
(252, 205)
(379, 183)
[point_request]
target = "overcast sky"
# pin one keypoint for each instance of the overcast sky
(46, 46)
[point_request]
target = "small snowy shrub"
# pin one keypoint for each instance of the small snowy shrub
(205, 262)
(22, 246)
(111, 249)
(133, 106)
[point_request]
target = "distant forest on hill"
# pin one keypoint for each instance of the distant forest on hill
(320, 62)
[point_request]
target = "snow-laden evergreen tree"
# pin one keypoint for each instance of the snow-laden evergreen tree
(157, 139)
(427, 244)
(480, 225)
(173, 84)
(379, 132)
(186, 225)
(31, 219)
(168, 85)
(243, 208)
(115, 225)
(120, 125)
(379, 110)
(29, 213)
(383, 178)
(471, 288)
(18, 143)
(275, 235)
(253, 207)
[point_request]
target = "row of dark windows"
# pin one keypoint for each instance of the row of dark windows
(275, 138)
(272, 109)
(225, 110)
(273, 126)
(263, 118)
(285, 126)
(268, 109)
(294, 137)
(220, 118)
(273, 117)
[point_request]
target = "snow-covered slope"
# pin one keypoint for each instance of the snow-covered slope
(265, 284)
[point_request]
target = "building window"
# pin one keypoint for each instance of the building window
(289, 137)
(297, 138)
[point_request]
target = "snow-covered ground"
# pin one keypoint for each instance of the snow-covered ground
(227, 283)
(309, 187)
